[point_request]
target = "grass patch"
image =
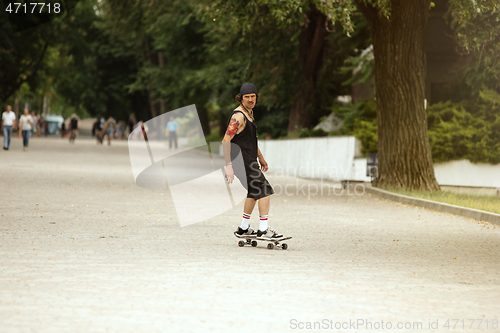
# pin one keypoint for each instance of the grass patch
(489, 203)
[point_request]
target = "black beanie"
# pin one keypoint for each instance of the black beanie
(248, 88)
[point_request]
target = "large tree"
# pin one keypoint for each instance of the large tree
(397, 28)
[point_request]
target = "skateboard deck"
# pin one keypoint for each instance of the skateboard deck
(271, 242)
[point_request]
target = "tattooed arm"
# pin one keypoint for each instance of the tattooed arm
(236, 124)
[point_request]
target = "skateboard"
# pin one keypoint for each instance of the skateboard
(271, 242)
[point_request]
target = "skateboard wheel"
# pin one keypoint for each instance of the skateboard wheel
(241, 243)
(270, 246)
(254, 243)
(284, 246)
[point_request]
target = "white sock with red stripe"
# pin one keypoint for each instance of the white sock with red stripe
(244, 222)
(263, 222)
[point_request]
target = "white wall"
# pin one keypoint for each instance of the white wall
(331, 158)
(337, 159)
(465, 173)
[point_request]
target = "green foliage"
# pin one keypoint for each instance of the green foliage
(360, 120)
(477, 29)
(491, 96)
(476, 23)
(457, 131)
(310, 133)
(361, 68)
(465, 131)
(361, 111)
(22, 53)
(366, 131)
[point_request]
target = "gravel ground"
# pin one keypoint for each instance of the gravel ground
(83, 249)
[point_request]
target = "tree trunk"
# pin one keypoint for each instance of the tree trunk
(311, 44)
(404, 153)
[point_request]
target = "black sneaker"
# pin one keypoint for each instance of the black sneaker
(269, 233)
(245, 232)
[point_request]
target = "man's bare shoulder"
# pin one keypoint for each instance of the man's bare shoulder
(238, 116)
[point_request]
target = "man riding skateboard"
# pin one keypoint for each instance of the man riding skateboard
(242, 131)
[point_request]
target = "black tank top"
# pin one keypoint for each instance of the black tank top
(246, 140)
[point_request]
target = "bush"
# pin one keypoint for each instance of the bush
(366, 131)
(464, 131)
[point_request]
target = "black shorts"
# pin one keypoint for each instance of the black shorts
(252, 178)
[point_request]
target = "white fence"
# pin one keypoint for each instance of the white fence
(332, 158)
(338, 158)
(465, 173)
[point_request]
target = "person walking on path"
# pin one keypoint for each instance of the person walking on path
(25, 125)
(242, 131)
(173, 129)
(120, 132)
(63, 129)
(96, 130)
(109, 130)
(39, 125)
(73, 128)
(35, 123)
(8, 122)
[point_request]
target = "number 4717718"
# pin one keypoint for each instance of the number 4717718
(31, 7)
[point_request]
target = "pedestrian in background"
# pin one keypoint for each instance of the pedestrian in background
(8, 122)
(73, 128)
(109, 129)
(120, 132)
(63, 129)
(39, 126)
(173, 129)
(131, 124)
(35, 123)
(25, 125)
(96, 130)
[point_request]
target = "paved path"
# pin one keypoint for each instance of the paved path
(83, 249)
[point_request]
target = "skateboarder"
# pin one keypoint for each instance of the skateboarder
(242, 131)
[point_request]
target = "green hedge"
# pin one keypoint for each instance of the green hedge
(464, 131)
